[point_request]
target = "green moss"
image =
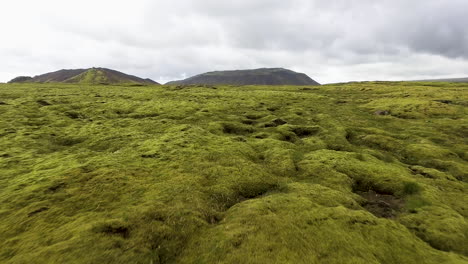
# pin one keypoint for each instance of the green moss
(414, 204)
(411, 188)
(255, 174)
(442, 228)
(287, 228)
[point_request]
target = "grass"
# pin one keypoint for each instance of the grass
(250, 174)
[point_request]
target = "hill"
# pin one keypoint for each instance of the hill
(371, 172)
(86, 76)
(265, 76)
(21, 79)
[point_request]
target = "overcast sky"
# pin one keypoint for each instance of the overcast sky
(330, 40)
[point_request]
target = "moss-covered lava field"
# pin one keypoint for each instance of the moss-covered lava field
(373, 172)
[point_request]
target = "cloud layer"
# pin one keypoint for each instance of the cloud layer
(329, 40)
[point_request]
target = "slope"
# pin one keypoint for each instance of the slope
(264, 76)
(86, 76)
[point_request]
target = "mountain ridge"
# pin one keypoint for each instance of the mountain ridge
(85, 76)
(455, 80)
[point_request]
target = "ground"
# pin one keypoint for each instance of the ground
(370, 172)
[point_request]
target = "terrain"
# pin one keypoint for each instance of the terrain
(85, 76)
(370, 172)
(264, 76)
(452, 80)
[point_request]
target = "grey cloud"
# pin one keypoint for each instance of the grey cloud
(331, 40)
(363, 27)
(435, 27)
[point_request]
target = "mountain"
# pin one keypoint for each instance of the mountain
(454, 80)
(264, 76)
(86, 76)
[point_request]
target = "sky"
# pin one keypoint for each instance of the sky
(329, 40)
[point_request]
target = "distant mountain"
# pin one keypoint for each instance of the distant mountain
(86, 76)
(455, 80)
(264, 76)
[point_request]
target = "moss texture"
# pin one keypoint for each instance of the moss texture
(349, 173)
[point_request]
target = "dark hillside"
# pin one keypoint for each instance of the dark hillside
(58, 76)
(21, 79)
(86, 76)
(265, 76)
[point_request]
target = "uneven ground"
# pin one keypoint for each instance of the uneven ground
(113, 174)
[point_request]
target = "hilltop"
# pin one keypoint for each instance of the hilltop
(85, 76)
(264, 76)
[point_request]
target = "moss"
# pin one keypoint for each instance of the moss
(232, 128)
(288, 228)
(381, 142)
(255, 174)
(411, 188)
(112, 227)
(427, 151)
(442, 228)
(302, 131)
(431, 173)
(414, 204)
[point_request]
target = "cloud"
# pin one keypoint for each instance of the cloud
(329, 40)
